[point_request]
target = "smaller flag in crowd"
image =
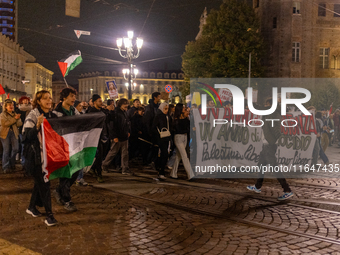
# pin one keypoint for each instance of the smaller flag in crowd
(70, 62)
(70, 143)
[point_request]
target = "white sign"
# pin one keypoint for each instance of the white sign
(112, 89)
(240, 145)
(80, 32)
(225, 95)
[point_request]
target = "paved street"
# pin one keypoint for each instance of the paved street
(138, 215)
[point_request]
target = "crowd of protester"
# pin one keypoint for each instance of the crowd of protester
(158, 134)
(147, 132)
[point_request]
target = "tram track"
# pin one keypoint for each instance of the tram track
(230, 217)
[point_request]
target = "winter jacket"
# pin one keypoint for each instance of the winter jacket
(131, 112)
(137, 126)
(24, 110)
(121, 127)
(31, 136)
(61, 113)
(272, 134)
(149, 115)
(161, 121)
(9, 122)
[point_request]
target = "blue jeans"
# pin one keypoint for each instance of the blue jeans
(8, 156)
(80, 175)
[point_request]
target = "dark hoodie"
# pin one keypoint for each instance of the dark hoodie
(150, 113)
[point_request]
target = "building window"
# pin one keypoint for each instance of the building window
(173, 76)
(159, 75)
(152, 75)
(257, 3)
(145, 75)
(337, 10)
(296, 52)
(166, 75)
(324, 58)
(296, 7)
(274, 22)
(322, 10)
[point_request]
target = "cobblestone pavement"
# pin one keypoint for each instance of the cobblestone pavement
(138, 215)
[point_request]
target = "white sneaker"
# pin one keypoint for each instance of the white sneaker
(170, 167)
(162, 177)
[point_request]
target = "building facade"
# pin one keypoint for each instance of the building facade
(38, 78)
(303, 37)
(145, 84)
(12, 67)
(9, 18)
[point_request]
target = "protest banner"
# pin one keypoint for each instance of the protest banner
(240, 144)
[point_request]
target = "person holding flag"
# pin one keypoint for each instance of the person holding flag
(65, 108)
(41, 194)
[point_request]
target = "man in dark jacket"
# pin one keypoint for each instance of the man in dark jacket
(120, 135)
(149, 115)
(133, 109)
(267, 155)
(65, 108)
(97, 165)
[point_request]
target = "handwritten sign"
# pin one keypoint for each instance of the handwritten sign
(225, 95)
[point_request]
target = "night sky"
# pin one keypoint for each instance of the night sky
(47, 34)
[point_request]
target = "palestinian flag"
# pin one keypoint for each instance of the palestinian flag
(70, 62)
(70, 143)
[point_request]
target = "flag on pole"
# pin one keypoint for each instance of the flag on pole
(81, 32)
(7, 96)
(70, 143)
(2, 91)
(330, 110)
(70, 62)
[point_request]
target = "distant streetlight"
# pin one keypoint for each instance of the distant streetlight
(130, 56)
(132, 77)
(91, 92)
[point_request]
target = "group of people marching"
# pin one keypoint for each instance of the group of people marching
(155, 132)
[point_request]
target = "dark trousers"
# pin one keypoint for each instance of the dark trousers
(41, 194)
(97, 165)
(64, 188)
(161, 162)
(267, 156)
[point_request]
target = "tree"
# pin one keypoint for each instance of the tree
(230, 34)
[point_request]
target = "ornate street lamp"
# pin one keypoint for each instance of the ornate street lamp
(130, 55)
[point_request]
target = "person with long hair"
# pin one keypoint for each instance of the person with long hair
(41, 194)
(9, 135)
(181, 131)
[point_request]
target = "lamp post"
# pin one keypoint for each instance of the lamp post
(130, 75)
(129, 55)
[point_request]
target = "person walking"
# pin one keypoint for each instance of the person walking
(24, 108)
(137, 131)
(161, 129)
(148, 118)
(63, 191)
(41, 194)
(9, 135)
(267, 156)
(181, 131)
(96, 169)
(120, 137)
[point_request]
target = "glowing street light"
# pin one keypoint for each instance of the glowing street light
(130, 56)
